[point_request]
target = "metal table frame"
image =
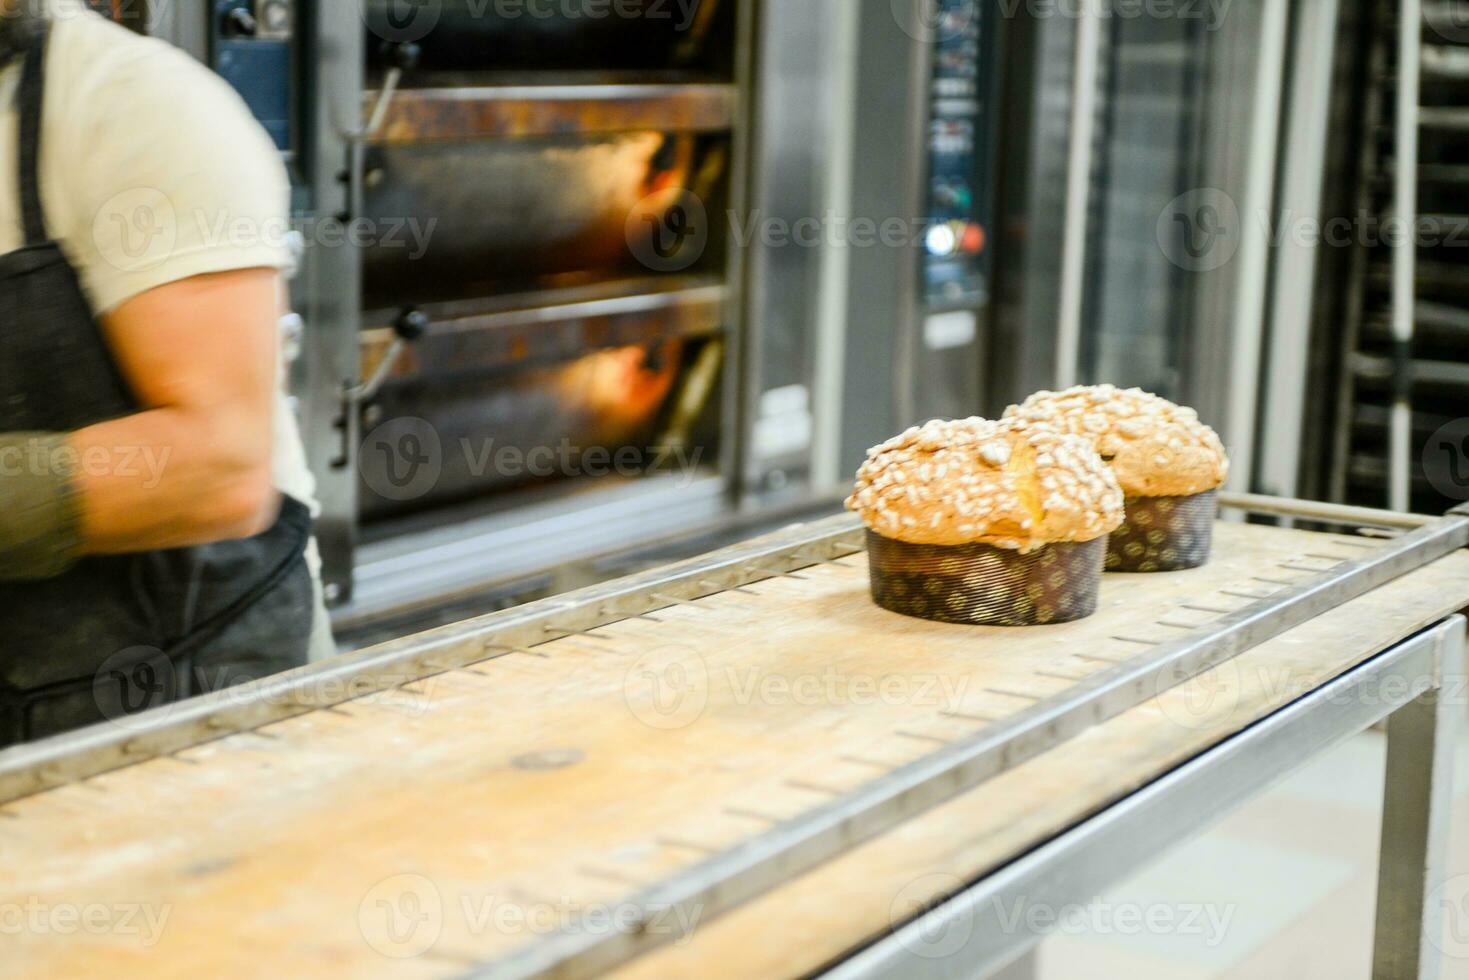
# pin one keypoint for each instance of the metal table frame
(799, 844)
(1417, 685)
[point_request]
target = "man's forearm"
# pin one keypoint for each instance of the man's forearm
(155, 480)
(171, 478)
(195, 466)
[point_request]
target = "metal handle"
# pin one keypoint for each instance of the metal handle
(411, 324)
(404, 56)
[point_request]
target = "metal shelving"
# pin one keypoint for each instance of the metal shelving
(1406, 370)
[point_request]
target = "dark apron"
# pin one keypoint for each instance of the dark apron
(117, 634)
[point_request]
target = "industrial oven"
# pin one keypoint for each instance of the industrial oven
(523, 321)
(572, 283)
(537, 298)
(574, 274)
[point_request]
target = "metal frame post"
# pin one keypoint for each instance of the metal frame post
(1404, 257)
(1250, 284)
(889, 157)
(1418, 797)
(328, 290)
(786, 149)
(1078, 195)
(1302, 176)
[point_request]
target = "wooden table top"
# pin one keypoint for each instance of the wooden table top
(428, 829)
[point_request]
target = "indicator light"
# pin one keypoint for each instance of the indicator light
(941, 240)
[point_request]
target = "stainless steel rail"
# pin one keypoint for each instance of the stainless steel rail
(1312, 510)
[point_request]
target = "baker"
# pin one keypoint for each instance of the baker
(155, 505)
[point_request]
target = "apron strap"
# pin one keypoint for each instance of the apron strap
(29, 102)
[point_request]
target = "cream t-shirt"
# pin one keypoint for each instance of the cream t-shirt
(152, 170)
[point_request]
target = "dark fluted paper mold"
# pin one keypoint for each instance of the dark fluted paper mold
(1164, 534)
(983, 585)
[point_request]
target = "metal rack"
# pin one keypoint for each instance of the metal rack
(730, 877)
(1404, 373)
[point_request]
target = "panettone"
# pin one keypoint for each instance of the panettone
(1156, 448)
(1003, 483)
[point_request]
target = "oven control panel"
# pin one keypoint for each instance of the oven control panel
(250, 46)
(956, 240)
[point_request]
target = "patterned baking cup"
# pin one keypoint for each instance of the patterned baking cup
(985, 585)
(1163, 534)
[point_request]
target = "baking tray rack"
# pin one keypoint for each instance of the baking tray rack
(790, 847)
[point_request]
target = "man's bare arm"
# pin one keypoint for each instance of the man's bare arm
(193, 466)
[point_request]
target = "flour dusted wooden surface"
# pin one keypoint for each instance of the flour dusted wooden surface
(419, 832)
